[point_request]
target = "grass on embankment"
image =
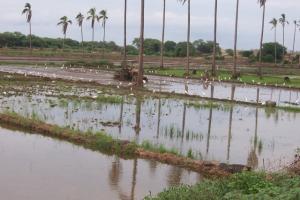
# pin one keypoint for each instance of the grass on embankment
(271, 80)
(108, 145)
(242, 186)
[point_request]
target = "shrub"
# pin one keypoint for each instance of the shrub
(243, 186)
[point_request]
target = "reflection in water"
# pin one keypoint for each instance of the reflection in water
(121, 115)
(174, 176)
(158, 118)
(252, 158)
(210, 121)
(138, 115)
(44, 168)
(230, 124)
(115, 173)
(175, 123)
(134, 174)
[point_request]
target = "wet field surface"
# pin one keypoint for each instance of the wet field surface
(35, 167)
(231, 133)
(243, 92)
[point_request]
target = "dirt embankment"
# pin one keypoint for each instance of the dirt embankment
(125, 149)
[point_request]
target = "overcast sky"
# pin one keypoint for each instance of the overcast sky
(47, 12)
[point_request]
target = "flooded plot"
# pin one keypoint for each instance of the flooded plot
(235, 134)
(35, 167)
(243, 92)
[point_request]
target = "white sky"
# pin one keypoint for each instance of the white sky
(47, 12)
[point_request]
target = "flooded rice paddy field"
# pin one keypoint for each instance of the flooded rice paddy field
(35, 167)
(243, 92)
(234, 134)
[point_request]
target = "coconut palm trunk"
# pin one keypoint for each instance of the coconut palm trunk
(188, 39)
(274, 23)
(283, 42)
(93, 35)
(64, 41)
(261, 41)
(275, 38)
(295, 31)
(283, 39)
(141, 56)
(215, 40)
(82, 39)
(30, 37)
(125, 35)
(104, 31)
(163, 36)
(235, 39)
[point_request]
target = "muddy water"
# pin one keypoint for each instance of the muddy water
(246, 93)
(228, 133)
(34, 167)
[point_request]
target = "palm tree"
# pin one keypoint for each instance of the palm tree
(27, 10)
(214, 73)
(125, 35)
(274, 23)
(64, 22)
(283, 22)
(80, 19)
(235, 39)
(188, 36)
(93, 17)
(262, 4)
(141, 42)
(163, 36)
(103, 16)
(296, 23)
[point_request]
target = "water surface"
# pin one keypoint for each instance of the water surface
(36, 167)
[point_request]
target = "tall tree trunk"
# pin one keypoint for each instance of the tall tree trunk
(283, 43)
(275, 29)
(30, 37)
(141, 56)
(188, 40)
(93, 35)
(215, 40)
(104, 29)
(82, 39)
(294, 41)
(125, 35)
(235, 38)
(163, 36)
(64, 41)
(261, 41)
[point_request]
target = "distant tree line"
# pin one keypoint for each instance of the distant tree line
(152, 46)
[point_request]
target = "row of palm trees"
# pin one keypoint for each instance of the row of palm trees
(93, 17)
(283, 21)
(64, 22)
